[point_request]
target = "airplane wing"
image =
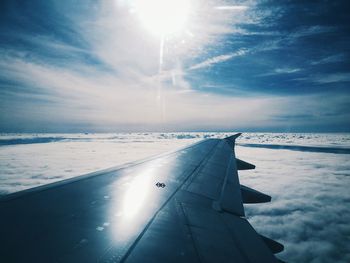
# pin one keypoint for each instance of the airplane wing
(186, 206)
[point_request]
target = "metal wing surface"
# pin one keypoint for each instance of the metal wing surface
(186, 206)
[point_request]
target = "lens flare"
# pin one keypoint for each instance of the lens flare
(163, 17)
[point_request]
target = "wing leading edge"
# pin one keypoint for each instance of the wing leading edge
(123, 215)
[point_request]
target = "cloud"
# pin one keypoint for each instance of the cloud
(94, 67)
(278, 71)
(92, 99)
(329, 59)
(332, 78)
(306, 31)
(287, 70)
(327, 78)
(218, 59)
(53, 157)
(308, 212)
(99, 98)
(120, 84)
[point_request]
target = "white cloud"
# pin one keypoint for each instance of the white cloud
(42, 163)
(332, 78)
(311, 30)
(327, 78)
(308, 212)
(329, 59)
(218, 59)
(134, 91)
(107, 100)
(278, 71)
(287, 70)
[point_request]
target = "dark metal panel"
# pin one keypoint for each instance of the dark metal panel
(191, 230)
(216, 246)
(197, 227)
(218, 180)
(230, 198)
(168, 239)
(209, 186)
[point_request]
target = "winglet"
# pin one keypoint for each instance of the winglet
(233, 137)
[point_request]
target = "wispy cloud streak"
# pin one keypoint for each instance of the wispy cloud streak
(218, 59)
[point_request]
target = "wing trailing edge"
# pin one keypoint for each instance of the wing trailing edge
(252, 196)
(273, 245)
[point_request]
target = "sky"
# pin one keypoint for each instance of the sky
(122, 65)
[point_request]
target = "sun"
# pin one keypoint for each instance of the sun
(163, 17)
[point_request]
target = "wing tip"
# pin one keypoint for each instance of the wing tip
(233, 138)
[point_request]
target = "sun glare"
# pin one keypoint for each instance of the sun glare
(163, 17)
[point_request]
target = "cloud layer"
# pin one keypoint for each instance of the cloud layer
(309, 209)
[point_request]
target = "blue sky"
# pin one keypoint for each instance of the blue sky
(76, 66)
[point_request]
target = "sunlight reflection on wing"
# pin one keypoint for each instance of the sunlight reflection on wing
(137, 194)
(136, 202)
